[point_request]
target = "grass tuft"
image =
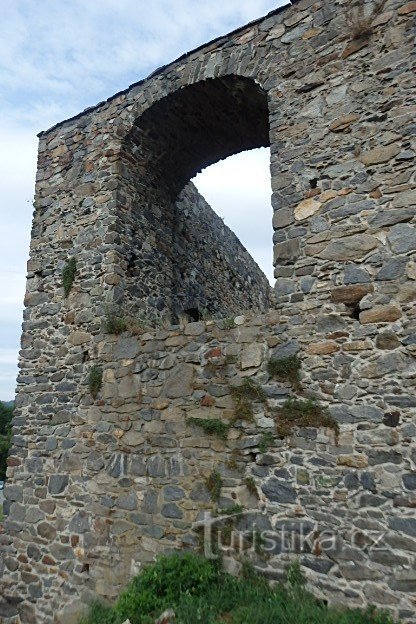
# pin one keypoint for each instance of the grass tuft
(250, 484)
(285, 369)
(95, 380)
(211, 426)
(214, 484)
(266, 441)
(296, 413)
(243, 396)
(68, 275)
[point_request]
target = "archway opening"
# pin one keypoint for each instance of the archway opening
(239, 190)
(179, 255)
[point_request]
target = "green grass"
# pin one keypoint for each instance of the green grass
(200, 593)
(298, 413)
(68, 275)
(211, 426)
(95, 380)
(243, 396)
(285, 369)
(214, 484)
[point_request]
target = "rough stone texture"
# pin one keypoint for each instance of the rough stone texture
(95, 485)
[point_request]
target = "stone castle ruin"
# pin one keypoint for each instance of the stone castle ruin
(123, 424)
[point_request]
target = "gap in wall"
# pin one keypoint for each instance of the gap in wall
(239, 190)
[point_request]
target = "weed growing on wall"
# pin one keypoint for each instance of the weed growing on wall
(296, 413)
(250, 484)
(214, 485)
(68, 275)
(285, 369)
(266, 441)
(95, 380)
(211, 426)
(243, 396)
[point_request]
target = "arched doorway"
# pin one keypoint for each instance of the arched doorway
(179, 255)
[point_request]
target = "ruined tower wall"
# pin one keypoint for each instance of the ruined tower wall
(79, 497)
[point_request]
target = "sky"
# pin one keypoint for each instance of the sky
(58, 57)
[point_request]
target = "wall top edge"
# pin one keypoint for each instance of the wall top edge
(161, 69)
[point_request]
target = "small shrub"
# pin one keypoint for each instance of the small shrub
(297, 413)
(214, 485)
(68, 275)
(95, 380)
(243, 396)
(115, 323)
(285, 369)
(211, 426)
(199, 592)
(250, 484)
(266, 441)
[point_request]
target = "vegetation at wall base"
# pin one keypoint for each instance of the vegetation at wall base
(199, 592)
(6, 415)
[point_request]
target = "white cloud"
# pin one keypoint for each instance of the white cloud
(58, 57)
(239, 190)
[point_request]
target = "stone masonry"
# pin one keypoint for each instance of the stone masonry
(98, 485)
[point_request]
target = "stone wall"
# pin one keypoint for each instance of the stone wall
(204, 269)
(96, 487)
(125, 479)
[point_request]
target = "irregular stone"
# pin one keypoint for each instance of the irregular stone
(388, 216)
(195, 329)
(173, 493)
(278, 491)
(342, 123)
(180, 382)
(355, 275)
(79, 523)
(402, 238)
(170, 510)
(322, 348)
(381, 154)
(392, 270)
(127, 501)
(57, 484)
(306, 208)
(78, 338)
(403, 525)
(409, 480)
(252, 355)
(387, 340)
(351, 294)
(349, 248)
(380, 314)
(354, 461)
(287, 252)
